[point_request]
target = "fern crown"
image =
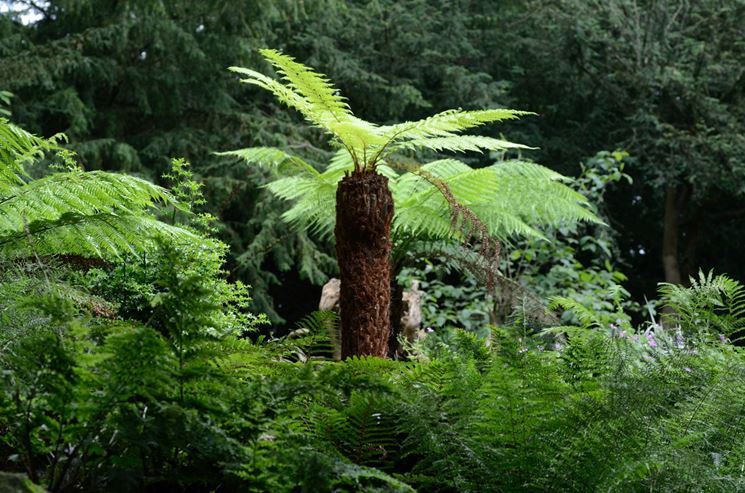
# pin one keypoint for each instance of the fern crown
(513, 197)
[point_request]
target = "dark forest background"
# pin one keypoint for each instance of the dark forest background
(135, 83)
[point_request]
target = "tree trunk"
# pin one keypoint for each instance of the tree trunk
(364, 210)
(397, 309)
(670, 233)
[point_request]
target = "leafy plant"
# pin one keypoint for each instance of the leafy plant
(91, 214)
(507, 198)
(711, 304)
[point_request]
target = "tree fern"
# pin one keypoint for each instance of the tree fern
(74, 212)
(511, 197)
(356, 196)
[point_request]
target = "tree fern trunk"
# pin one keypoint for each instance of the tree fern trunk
(364, 210)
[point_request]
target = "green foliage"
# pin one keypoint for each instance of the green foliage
(510, 197)
(575, 261)
(710, 305)
(176, 404)
(91, 214)
(367, 144)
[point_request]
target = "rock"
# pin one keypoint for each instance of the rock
(330, 295)
(411, 318)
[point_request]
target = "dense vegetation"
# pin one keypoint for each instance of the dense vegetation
(146, 265)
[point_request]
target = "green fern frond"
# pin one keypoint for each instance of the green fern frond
(85, 193)
(447, 123)
(272, 158)
(320, 335)
(314, 87)
(710, 303)
(364, 431)
(317, 100)
(586, 316)
(99, 235)
(283, 93)
(93, 213)
(17, 147)
(458, 143)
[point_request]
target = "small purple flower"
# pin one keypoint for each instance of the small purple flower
(622, 334)
(679, 341)
(558, 346)
(650, 339)
(723, 339)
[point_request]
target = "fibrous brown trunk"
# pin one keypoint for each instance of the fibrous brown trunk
(364, 210)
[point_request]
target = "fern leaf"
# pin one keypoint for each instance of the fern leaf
(316, 89)
(447, 123)
(272, 158)
(459, 143)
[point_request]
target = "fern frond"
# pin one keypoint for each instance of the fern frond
(586, 316)
(283, 93)
(321, 337)
(93, 213)
(511, 198)
(314, 87)
(363, 431)
(272, 158)
(458, 143)
(710, 303)
(447, 123)
(85, 193)
(18, 146)
(100, 235)
(317, 100)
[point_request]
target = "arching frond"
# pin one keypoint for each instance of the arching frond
(314, 87)
(458, 143)
(272, 158)
(511, 198)
(102, 235)
(17, 146)
(85, 213)
(85, 193)
(283, 93)
(448, 123)
(317, 100)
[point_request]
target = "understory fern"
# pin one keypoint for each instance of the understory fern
(91, 214)
(710, 304)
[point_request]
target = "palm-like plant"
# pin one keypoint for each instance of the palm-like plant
(92, 214)
(361, 185)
